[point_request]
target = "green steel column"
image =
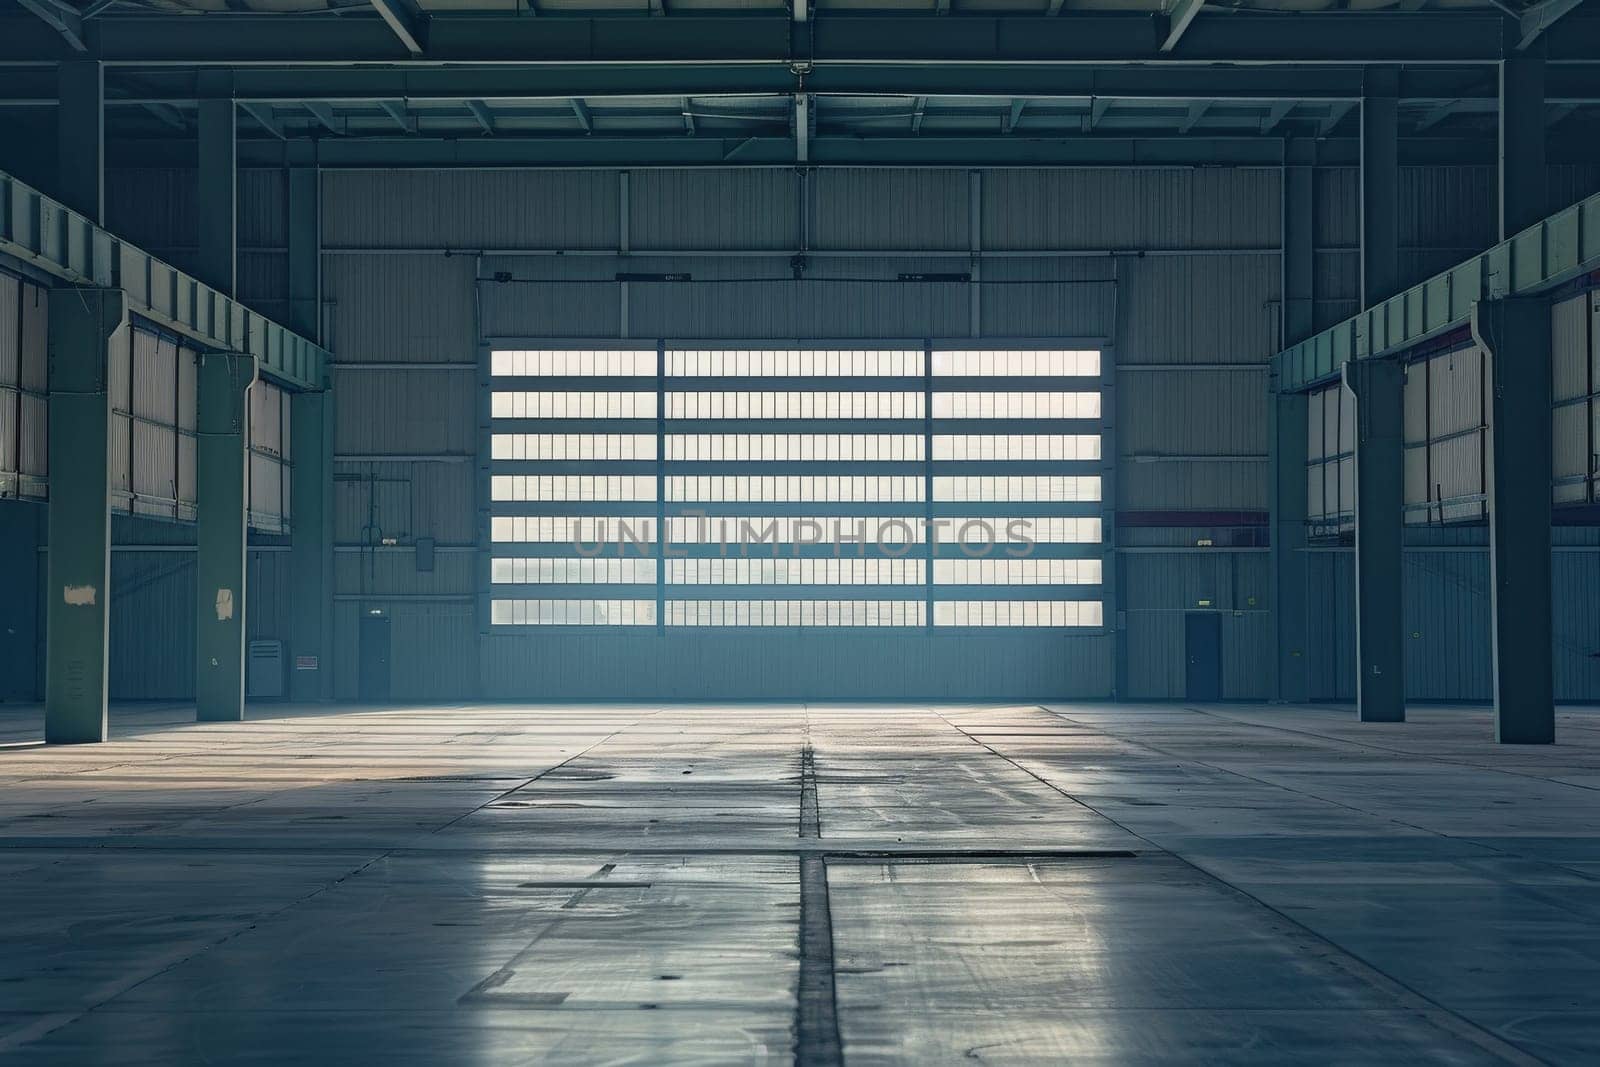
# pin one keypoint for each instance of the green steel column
(83, 326)
(1516, 336)
(1380, 186)
(222, 428)
(311, 546)
(81, 137)
(218, 262)
(305, 253)
(1523, 194)
(1289, 413)
(1379, 389)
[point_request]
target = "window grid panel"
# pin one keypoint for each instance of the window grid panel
(1017, 488)
(1058, 613)
(573, 363)
(788, 404)
(794, 363)
(1016, 405)
(817, 571)
(637, 404)
(968, 546)
(1016, 363)
(797, 489)
(1009, 571)
(572, 487)
(562, 570)
(572, 612)
(796, 613)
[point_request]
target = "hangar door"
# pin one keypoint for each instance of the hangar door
(692, 493)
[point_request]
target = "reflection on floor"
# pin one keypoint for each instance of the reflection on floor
(908, 885)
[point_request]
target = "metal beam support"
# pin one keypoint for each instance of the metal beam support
(85, 325)
(305, 252)
(323, 114)
(221, 469)
(1523, 192)
(1516, 338)
(61, 17)
(311, 547)
(81, 137)
(396, 110)
(262, 113)
(1380, 180)
(581, 110)
(1179, 16)
(485, 117)
(218, 262)
(1197, 111)
(1299, 254)
(405, 21)
(1107, 38)
(1097, 110)
(1535, 19)
(1378, 386)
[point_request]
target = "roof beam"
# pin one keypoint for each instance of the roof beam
(1336, 114)
(688, 117)
(262, 113)
(581, 110)
(1097, 110)
(1437, 115)
(396, 110)
(485, 117)
(405, 21)
(1197, 111)
(1540, 17)
(323, 114)
(918, 109)
(61, 17)
(1179, 16)
(1014, 116)
(169, 116)
(1276, 114)
(1102, 38)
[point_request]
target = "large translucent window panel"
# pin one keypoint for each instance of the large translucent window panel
(1019, 488)
(560, 570)
(811, 447)
(796, 613)
(818, 571)
(568, 487)
(820, 404)
(1016, 446)
(572, 612)
(997, 405)
(794, 363)
(1005, 570)
(572, 405)
(561, 446)
(587, 530)
(1018, 613)
(573, 363)
(749, 531)
(808, 488)
(1017, 363)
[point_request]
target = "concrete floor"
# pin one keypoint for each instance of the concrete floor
(885, 885)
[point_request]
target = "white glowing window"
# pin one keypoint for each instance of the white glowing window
(796, 613)
(572, 612)
(1016, 446)
(572, 363)
(1019, 488)
(794, 363)
(808, 488)
(565, 487)
(1018, 613)
(1005, 570)
(561, 570)
(561, 446)
(824, 570)
(1016, 363)
(616, 534)
(572, 405)
(809, 404)
(1016, 405)
(808, 447)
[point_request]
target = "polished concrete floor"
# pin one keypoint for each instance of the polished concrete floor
(766, 885)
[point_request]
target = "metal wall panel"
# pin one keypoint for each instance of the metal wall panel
(1447, 209)
(263, 208)
(1197, 413)
(1076, 208)
(1448, 648)
(1074, 297)
(1569, 183)
(896, 209)
(1247, 655)
(764, 666)
(1569, 348)
(399, 308)
(1331, 630)
(713, 209)
(157, 209)
(1192, 485)
(395, 412)
(1198, 309)
(470, 209)
(1155, 645)
(120, 387)
(389, 572)
(434, 651)
(581, 299)
(1336, 207)
(151, 626)
(1576, 579)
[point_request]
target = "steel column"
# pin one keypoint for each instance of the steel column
(311, 546)
(222, 423)
(81, 137)
(84, 325)
(1379, 389)
(305, 253)
(1516, 338)
(1299, 255)
(218, 262)
(1380, 179)
(1523, 194)
(1289, 414)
